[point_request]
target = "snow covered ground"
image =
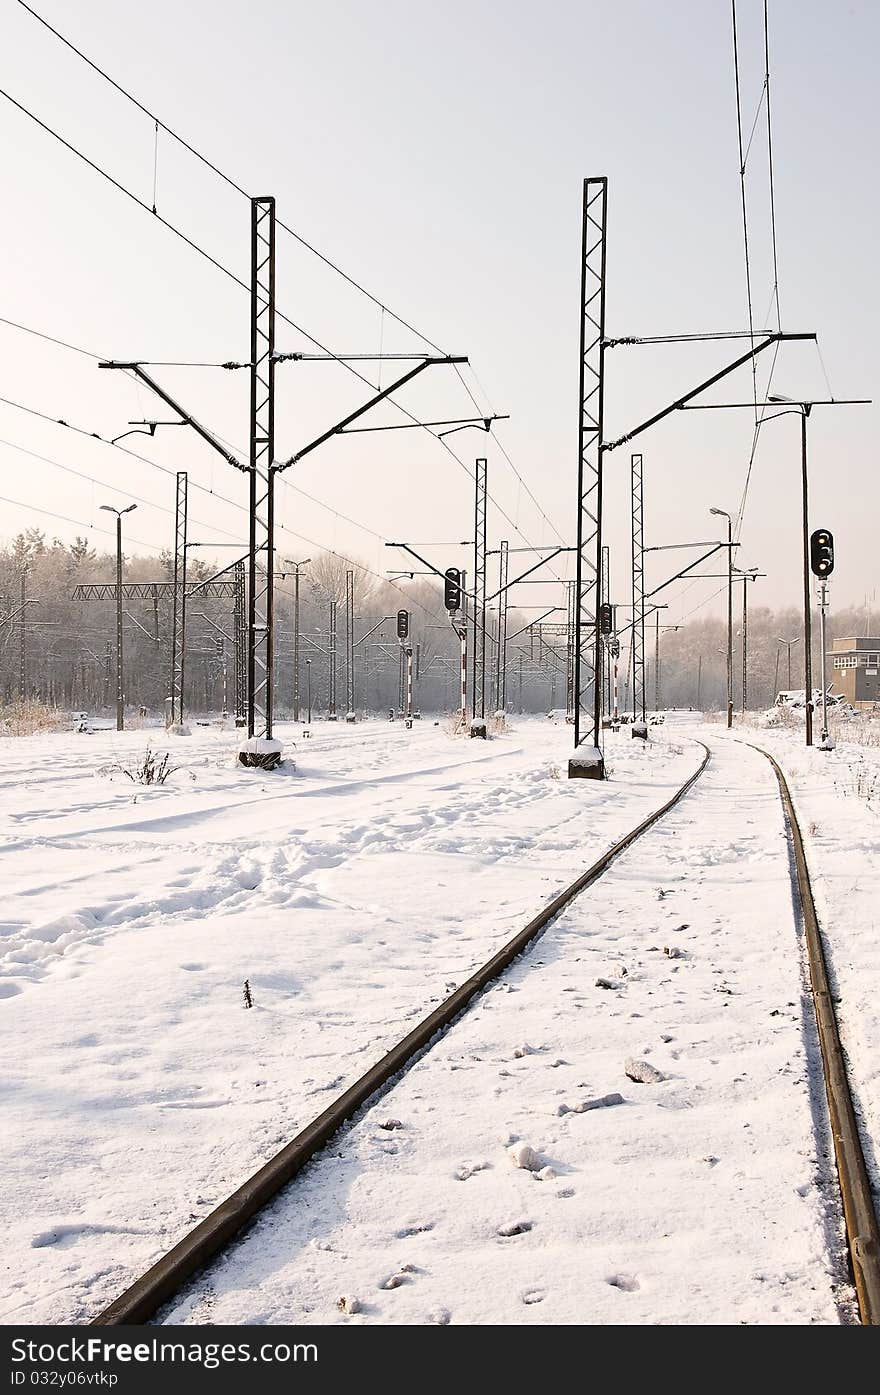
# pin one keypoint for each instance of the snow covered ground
(837, 797)
(486, 1188)
(352, 893)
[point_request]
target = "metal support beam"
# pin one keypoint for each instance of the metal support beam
(178, 605)
(261, 465)
(587, 695)
(479, 621)
(570, 642)
(603, 648)
(22, 637)
(501, 651)
(638, 592)
(241, 645)
(349, 641)
(331, 674)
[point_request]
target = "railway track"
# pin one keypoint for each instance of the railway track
(210, 1237)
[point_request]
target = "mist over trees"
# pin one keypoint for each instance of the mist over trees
(70, 646)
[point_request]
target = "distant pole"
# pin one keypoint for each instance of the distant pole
(823, 607)
(309, 683)
(776, 676)
(656, 660)
(409, 682)
(332, 664)
(120, 684)
(22, 638)
(745, 644)
(120, 697)
(349, 642)
(296, 644)
(808, 624)
(729, 621)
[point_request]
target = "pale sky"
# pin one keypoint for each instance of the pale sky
(436, 153)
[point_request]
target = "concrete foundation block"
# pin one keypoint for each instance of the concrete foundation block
(640, 730)
(478, 728)
(260, 752)
(588, 764)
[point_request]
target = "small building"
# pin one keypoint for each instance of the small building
(856, 665)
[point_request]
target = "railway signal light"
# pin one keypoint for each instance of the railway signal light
(402, 624)
(452, 588)
(219, 646)
(821, 553)
(606, 620)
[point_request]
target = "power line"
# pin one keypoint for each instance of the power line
(49, 338)
(92, 435)
(760, 416)
(158, 124)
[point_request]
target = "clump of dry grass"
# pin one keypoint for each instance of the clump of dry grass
(29, 718)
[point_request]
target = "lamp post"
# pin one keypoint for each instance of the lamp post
(788, 643)
(120, 690)
(722, 513)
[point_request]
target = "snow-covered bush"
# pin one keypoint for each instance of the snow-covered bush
(28, 718)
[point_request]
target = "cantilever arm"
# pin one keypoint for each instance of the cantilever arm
(188, 418)
(353, 416)
(701, 387)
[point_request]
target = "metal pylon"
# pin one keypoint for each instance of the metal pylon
(261, 462)
(571, 610)
(638, 592)
(605, 670)
(178, 599)
(501, 664)
(349, 641)
(479, 698)
(587, 692)
(22, 638)
(241, 645)
(331, 676)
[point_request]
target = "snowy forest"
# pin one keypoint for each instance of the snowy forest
(61, 651)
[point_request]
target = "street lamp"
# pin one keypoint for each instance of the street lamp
(120, 698)
(788, 643)
(722, 513)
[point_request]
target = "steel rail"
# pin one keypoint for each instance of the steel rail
(166, 1277)
(859, 1213)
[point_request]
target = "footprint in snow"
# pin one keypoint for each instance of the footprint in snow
(534, 1295)
(514, 1228)
(467, 1170)
(627, 1283)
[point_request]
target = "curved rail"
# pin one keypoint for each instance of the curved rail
(141, 1300)
(860, 1217)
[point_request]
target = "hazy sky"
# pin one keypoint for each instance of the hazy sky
(437, 152)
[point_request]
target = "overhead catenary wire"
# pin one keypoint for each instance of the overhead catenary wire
(227, 179)
(384, 309)
(760, 413)
(196, 247)
(93, 435)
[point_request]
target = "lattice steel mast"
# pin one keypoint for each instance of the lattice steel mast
(479, 628)
(261, 464)
(178, 600)
(587, 664)
(638, 592)
(501, 653)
